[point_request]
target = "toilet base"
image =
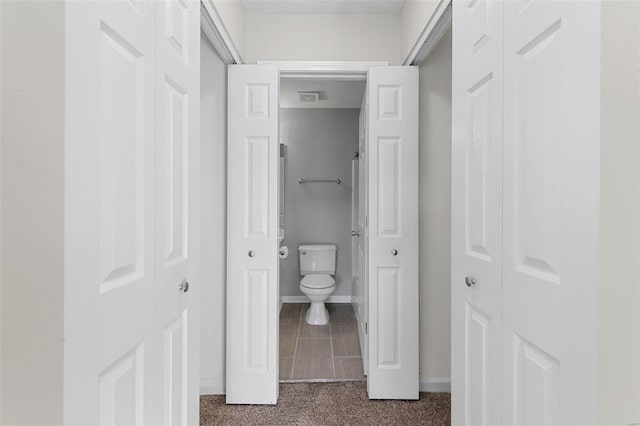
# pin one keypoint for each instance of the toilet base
(317, 314)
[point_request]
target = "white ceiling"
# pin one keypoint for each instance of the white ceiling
(333, 94)
(325, 7)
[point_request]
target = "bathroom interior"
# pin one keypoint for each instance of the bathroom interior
(318, 207)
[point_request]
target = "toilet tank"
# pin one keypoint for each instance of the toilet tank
(317, 259)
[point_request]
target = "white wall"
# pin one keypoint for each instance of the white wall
(414, 17)
(213, 131)
(435, 216)
(316, 37)
(232, 14)
(319, 145)
(619, 298)
(32, 203)
(291, 37)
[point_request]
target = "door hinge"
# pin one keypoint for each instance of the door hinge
(366, 221)
(366, 328)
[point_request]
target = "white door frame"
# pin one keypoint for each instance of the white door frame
(213, 27)
(437, 26)
(325, 70)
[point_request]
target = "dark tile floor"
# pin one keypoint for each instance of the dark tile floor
(319, 352)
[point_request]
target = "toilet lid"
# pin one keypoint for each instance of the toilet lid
(317, 281)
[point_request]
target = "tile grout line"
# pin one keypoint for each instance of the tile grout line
(295, 351)
(333, 358)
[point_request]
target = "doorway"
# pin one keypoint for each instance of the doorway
(391, 272)
(319, 135)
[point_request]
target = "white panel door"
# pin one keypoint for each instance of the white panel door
(109, 214)
(551, 199)
(177, 208)
(393, 232)
(476, 205)
(252, 235)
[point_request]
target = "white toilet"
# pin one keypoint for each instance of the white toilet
(317, 264)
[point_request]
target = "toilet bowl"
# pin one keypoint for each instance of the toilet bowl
(317, 288)
(317, 265)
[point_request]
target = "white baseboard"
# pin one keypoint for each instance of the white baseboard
(441, 384)
(212, 387)
(303, 299)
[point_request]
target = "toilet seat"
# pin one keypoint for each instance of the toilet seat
(317, 281)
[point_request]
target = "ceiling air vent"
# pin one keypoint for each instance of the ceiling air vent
(309, 97)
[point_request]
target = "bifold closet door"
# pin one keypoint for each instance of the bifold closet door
(252, 235)
(109, 361)
(476, 197)
(131, 99)
(525, 212)
(178, 208)
(392, 167)
(551, 207)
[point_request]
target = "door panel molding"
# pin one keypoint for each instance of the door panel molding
(476, 209)
(551, 212)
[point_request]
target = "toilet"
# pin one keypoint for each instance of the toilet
(317, 265)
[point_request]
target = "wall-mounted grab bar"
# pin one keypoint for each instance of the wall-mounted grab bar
(301, 180)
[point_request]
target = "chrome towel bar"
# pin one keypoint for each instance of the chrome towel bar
(301, 180)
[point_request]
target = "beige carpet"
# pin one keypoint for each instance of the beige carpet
(338, 403)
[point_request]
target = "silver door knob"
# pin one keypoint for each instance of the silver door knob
(184, 287)
(252, 253)
(394, 252)
(355, 234)
(470, 281)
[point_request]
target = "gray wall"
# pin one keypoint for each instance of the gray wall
(32, 197)
(319, 144)
(619, 268)
(435, 215)
(213, 158)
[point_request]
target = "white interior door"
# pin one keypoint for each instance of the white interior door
(110, 285)
(476, 225)
(393, 232)
(551, 208)
(131, 212)
(178, 208)
(252, 235)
